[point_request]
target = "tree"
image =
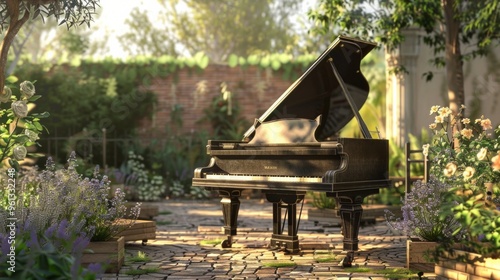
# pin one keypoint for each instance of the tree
(217, 27)
(15, 13)
(451, 27)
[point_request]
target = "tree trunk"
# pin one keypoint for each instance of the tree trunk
(15, 25)
(454, 70)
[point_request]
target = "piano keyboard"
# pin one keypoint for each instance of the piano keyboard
(237, 177)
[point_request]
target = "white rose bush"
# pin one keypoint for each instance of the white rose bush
(19, 128)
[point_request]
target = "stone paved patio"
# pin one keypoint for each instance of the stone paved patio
(187, 230)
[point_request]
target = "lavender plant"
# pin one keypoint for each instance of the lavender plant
(56, 254)
(421, 213)
(50, 196)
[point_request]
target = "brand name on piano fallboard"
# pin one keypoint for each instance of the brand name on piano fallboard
(270, 167)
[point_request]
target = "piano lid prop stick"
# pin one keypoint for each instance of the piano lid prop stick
(362, 125)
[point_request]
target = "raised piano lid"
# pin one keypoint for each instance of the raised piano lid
(318, 93)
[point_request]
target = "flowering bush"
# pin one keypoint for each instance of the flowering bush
(469, 162)
(18, 130)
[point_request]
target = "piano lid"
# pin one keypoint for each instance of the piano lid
(318, 93)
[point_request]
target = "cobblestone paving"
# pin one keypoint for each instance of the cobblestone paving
(187, 231)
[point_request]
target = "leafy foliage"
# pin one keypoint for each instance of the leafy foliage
(223, 115)
(240, 28)
(455, 30)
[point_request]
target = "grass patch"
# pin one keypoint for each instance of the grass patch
(325, 259)
(211, 242)
(142, 271)
(166, 212)
(359, 269)
(397, 273)
(163, 223)
(279, 264)
(141, 257)
(391, 273)
(324, 256)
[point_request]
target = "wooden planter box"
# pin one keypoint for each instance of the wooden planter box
(142, 230)
(110, 254)
(148, 211)
(416, 251)
(476, 267)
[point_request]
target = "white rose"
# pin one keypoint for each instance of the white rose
(6, 94)
(20, 108)
(27, 89)
(19, 152)
(33, 136)
(481, 155)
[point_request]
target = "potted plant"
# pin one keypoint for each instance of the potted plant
(468, 161)
(421, 222)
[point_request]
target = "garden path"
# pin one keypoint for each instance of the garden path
(176, 252)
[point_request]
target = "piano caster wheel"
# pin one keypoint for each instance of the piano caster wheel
(226, 244)
(347, 261)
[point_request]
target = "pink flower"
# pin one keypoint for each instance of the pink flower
(496, 162)
(467, 133)
(486, 124)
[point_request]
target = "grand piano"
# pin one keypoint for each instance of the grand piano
(293, 148)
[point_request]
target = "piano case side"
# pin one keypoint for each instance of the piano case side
(367, 165)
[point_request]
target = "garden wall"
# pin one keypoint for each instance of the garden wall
(253, 88)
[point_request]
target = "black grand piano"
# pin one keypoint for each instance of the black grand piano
(292, 149)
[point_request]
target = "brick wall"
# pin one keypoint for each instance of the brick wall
(253, 88)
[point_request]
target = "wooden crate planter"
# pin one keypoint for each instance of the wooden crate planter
(475, 268)
(141, 230)
(110, 254)
(148, 210)
(416, 251)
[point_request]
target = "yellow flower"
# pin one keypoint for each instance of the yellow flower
(444, 111)
(466, 121)
(466, 132)
(450, 169)
(496, 162)
(439, 119)
(482, 154)
(468, 173)
(432, 126)
(434, 109)
(486, 124)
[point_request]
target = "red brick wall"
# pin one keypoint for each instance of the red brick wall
(253, 88)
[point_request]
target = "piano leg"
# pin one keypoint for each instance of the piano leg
(289, 241)
(230, 203)
(350, 210)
